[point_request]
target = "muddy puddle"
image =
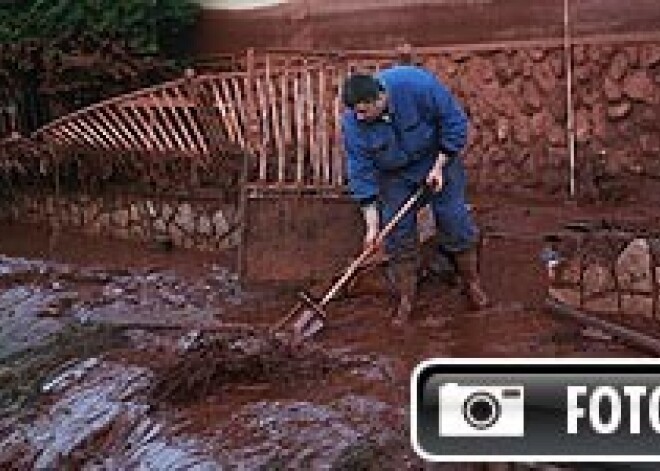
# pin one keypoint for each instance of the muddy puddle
(116, 356)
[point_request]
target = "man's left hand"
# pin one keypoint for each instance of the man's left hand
(434, 178)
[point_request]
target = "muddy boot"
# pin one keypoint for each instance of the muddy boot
(466, 263)
(405, 274)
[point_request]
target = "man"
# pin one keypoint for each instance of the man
(403, 128)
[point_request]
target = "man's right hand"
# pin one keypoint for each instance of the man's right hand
(372, 222)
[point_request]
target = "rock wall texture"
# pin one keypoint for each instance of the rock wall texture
(517, 102)
(188, 223)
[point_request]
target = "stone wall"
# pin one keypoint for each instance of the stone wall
(517, 102)
(517, 106)
(617, 92)
(201, 223)
(620, 280)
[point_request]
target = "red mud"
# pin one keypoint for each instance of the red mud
(378, 357)
(35, 241)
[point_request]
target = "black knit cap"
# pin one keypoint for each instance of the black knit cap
(361, 88)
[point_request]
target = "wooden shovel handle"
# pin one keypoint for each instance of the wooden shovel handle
(366, 253)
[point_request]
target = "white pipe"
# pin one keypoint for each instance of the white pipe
(570, 121)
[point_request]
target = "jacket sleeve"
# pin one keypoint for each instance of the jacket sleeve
(451, 118)
(360, 168)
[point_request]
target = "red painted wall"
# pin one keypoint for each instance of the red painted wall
(354, 24)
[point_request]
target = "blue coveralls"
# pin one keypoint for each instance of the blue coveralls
(388, 159)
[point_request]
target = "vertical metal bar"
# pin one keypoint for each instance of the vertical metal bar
(253, 119)
(299, 109)
(265, 131)
(286, 116)
(252, 135)
(570, 121)
(323, 127)
(274, 112)
(338, 147)
(313, 154)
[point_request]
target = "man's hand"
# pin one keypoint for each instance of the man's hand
(372, 223)
(434, 178)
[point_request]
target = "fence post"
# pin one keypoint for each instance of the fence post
(252, 147)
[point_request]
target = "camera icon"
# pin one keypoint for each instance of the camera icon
(482, 411)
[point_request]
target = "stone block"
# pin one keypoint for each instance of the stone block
(541, 123)
(134, 213)
(633, 266)
(121, 217)
(167, 212)
(618, 66)
(639, 86)
(185, 218)
(545, 78)
(176, 234)
(582, 125)
(612, 89)
(637, 305)
(619, 111)
(569, 296)
(649, 55)
(607, 303)
(204, 225)
(537, 55)
(597, 279)
(632, 53)
(160, 226)
(220, 223)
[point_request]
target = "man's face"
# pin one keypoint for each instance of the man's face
(372, 110)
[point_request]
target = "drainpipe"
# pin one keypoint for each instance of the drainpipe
(570, 120)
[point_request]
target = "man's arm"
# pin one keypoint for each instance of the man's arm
(452, 123)
(361, 170)
(362, 182)
(451, 118)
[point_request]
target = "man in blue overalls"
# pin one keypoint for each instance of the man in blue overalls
(402, 128)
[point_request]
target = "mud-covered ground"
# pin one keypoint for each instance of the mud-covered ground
(120, 356)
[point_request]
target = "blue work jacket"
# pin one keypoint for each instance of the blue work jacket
(424, 118)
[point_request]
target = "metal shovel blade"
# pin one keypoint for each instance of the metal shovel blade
(307, 325)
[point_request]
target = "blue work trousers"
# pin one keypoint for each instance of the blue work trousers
(452, 216)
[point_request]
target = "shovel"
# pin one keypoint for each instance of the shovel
(313, 317)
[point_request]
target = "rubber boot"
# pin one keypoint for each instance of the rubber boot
(467, 265)
(405, 276)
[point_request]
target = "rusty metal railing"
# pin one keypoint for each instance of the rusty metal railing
(289, 121)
